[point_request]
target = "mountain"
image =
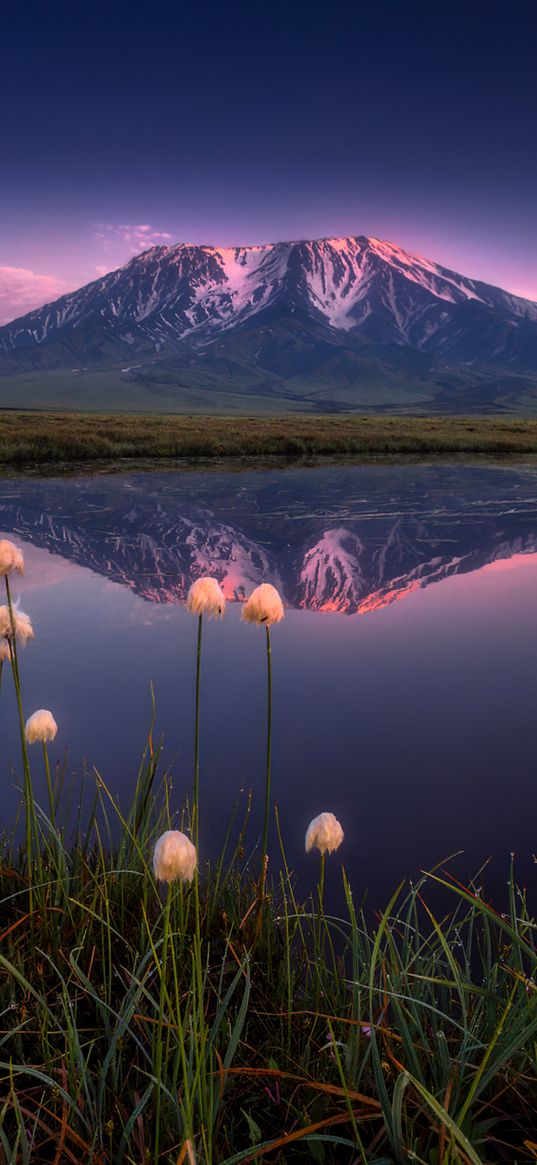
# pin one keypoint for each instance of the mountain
(332, 323)
(351, 540)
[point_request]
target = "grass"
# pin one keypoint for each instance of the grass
(33, 438)
(351, 1042)
(227, 1021)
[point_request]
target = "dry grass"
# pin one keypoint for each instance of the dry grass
(32, 437)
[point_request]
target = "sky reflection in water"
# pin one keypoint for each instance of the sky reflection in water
(412, 721)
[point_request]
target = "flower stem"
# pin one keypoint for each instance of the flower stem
(49, 786)
(160, 1033)
(320, 913)
(31, 825)
(318, 935)
(195, 799)
(268, 768)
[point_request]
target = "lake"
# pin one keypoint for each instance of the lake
(405, 671)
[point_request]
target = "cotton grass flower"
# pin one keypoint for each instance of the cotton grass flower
(5, 651)
(205, 597)
(264, 606)
(324, 833)
(11, 558)
(41, 727)
(174, 857)
(22, 623)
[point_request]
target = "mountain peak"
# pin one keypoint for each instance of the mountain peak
(306, 307)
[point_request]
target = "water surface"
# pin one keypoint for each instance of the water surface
(405, 671)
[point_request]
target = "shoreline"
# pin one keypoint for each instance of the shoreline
(239, 465)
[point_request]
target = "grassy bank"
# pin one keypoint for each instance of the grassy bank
(156, 1014)
(307, 1039)
(41, 438)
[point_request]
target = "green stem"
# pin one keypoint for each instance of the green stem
(31, 826)
(196, 794)
(158, 1052)
(318, 956)
(195, 800)
(182, 1060)
(49, 786)
(321, 903)
(268, 768)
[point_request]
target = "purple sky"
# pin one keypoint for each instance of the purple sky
(252, 123)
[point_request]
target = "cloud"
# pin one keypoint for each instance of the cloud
(135, 238)
(22, 290)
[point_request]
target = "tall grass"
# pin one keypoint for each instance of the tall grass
(41, 438)
(372, 1041)
(138, 1025)
(358, 1040)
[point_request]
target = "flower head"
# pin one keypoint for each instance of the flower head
(41, 726)
(206, 598)
(5, 651)
(22, 622)
(324, 833)
(11, 558)
(264, 606)
(174, 857)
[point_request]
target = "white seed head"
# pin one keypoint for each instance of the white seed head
(5, 651)
(264, 606)
(23, 625)
(206, 598)
(11, 558)
(41, 726)
(324, 833)
(174, 857)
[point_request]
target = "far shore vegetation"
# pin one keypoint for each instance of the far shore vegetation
(35, 438)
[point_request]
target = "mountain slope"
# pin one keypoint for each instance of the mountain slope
(309, 320)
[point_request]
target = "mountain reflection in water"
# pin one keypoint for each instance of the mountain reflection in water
(414, 725)
(350, 540)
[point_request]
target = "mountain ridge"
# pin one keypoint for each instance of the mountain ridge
(322, 319)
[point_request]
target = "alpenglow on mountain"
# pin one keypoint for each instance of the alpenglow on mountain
(333, 323)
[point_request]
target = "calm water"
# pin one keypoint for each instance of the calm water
(405, 671)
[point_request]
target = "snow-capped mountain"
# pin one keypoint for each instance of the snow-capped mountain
(326, 308)
(351, 541)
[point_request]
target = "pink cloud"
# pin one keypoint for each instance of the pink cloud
(135, 237)
(22, 290)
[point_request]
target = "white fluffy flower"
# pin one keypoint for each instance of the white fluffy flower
(264, 606)
(324, 833)
(206, 598)
(23, 624)
(5, 651)
(11, 558)
(41, 726)
(174, 857)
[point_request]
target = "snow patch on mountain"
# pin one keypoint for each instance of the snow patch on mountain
(369, 289)
(331, 578)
